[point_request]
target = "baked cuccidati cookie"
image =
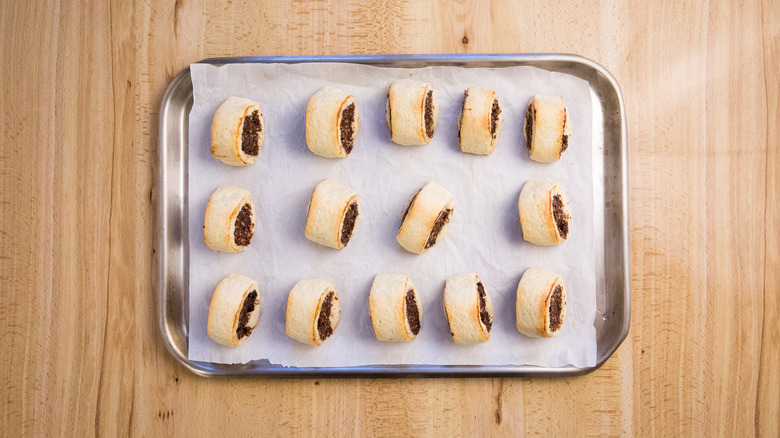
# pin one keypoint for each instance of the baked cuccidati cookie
(333, 214)
(541, 303)
(480, 121)
(332, 123)
(395, 309)
(237, 131)
(411, 112)
(425, 218)
(469, 309)
(544, 213)
(234, 310)
(546, 128)
(230, 219)
(312, 311)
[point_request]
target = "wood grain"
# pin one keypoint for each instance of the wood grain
(79, 98)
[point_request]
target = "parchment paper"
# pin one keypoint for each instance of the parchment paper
(484, 237)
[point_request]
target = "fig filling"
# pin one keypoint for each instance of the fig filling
(349, 223)
(556, 307)
(560, 216)
(429, 114)
(441, 221)
(412, 313)
(243, 317)
(460, 122)
(389, 112)
(530, 114)
(564, 137)
(323, 322)
(483, 313)
(408, 207)
(244, 227)
(347, 133)
(250, 134)
(494, 113)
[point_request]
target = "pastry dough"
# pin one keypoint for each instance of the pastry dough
(237, 131)
(469, 309)
(546, 128)
(425, 218)
(230, 219)
(312, 311)
(411, 112)
(544, 213)
(332, 123)
(541, 303)
(333, 214)
(480, 120)
(395, 309)
(234, 310)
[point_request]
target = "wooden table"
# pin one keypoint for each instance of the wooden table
(81, 84)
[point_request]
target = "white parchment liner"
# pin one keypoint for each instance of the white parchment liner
(484, 236)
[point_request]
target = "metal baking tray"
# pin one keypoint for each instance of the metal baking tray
(610, 173)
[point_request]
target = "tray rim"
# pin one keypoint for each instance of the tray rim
(209, 369)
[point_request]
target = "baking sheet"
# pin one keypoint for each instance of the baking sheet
(484, 237)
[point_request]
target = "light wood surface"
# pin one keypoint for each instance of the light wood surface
(80, 88)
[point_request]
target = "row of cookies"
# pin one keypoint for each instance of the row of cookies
(334, 212)
(333, 123)
(396, 312)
